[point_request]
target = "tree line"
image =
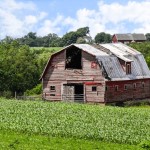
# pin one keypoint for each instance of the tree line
(81, 35)
(21, 66)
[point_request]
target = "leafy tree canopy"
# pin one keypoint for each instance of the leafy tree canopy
(147, 36)
(144, 48)
(103, 38)
(18, 67)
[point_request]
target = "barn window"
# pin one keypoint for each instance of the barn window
(116, 87)
(143, 84)
(52, 94)
(134, 85)
(128, 68)
(125, 87)
(106, 88)
(93, 65)
(52, 88)
(94, 88)
(73, 58)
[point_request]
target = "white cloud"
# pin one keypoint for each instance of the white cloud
(12, 24)
(137, 12)
(84, 18)
(30, 19)
(12, 5)
(18, 18)
(50, 26)
(42, 15)
(119, 17)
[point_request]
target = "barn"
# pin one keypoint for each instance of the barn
(128, 38)
(102, 73)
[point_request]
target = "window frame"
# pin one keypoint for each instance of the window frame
(51, 88)
(106, 88)
(134, 86)
(116, 88)
(143, 85)
(94, 90)
(128, 68)
(125, 87)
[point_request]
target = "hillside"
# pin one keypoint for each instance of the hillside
(144, 48)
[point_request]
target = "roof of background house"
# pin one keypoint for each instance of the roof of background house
(107, 56)
(131, 37)
(139, 37)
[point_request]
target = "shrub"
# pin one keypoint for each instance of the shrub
(7, 94)
(35, 91)
(145, 145)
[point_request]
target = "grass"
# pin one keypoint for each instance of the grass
(50, 49)
(43, 53)
(20, 141)
(76, 121)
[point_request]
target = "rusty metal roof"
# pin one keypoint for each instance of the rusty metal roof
(139, 68)
(91, 50)
(107, 56)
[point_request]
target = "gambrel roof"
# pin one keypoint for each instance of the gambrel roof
(108, 56)
(139, 68)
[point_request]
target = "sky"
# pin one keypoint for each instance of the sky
(19, 17)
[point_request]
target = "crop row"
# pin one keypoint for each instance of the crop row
(121, 125)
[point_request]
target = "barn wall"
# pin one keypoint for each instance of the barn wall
(114, 39)
(97, 79)
(56, 75)
(140, 91)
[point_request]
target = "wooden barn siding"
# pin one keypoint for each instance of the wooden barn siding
(114, 39)
(56, 75)
(122, 95)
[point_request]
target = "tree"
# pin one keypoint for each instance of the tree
(103, 38)
(7, 39)
(69, 38)
(83, 31)
(29, 39)
(72, 36)
(144, 48)
(18, 67)
(49, 39)
(147, 36)
(80, 40)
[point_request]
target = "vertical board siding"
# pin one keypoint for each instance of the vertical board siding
(57, 74)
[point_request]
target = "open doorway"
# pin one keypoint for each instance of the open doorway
(73, 92)
(73, 58)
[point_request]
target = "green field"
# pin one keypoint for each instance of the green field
(21, 141)
(67, 122)
(50, 49)
(44, 53)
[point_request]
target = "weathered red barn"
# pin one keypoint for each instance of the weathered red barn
(96, 73)
(128, 38)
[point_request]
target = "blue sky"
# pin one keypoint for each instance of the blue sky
(18, 17)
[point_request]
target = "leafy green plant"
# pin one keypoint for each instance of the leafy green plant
(145, 145)
(7, 94)
(35, 91)
(82, 121)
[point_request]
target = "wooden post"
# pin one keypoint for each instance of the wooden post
(15, 95)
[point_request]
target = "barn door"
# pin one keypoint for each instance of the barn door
(68, 92)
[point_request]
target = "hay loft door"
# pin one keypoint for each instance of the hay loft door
(73, 92)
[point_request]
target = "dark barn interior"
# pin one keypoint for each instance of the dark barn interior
(73, 58)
